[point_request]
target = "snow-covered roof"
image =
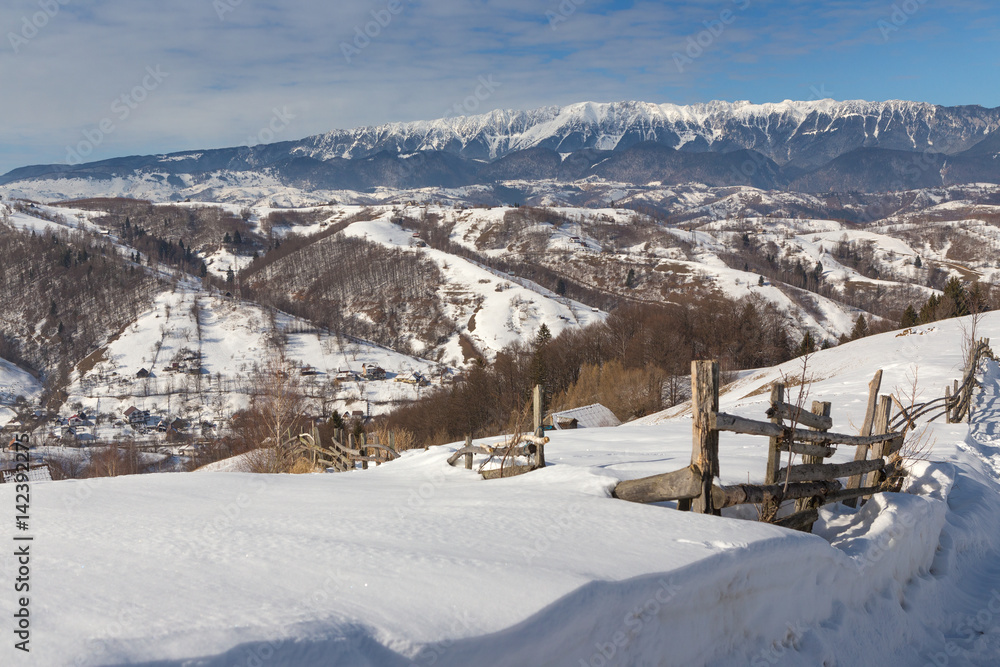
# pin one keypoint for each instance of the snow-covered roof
(590, 416)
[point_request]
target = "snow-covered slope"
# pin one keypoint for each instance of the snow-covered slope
(229, 340)
(15, 382)
(415, 562)
(493, 309)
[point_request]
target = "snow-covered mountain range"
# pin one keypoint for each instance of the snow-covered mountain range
(802, 133)
(814, 146)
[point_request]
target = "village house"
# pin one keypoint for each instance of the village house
(345, 376)
(590, 416)
(136, 416)
(413, 377)
(372, 372)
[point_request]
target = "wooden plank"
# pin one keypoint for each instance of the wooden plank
(881, 425)
(849, 494)
(774, 446)
(705, 438)
(682, 484)
(866, 428)
(805, 449)
(724, 422)
(873, 388)
(821, 408)
(756, 494)
(508, 471)
(829, 471)
(802, 520)
(536, 400)
(469, 450)
(791, 413)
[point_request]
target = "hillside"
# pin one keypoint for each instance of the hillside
(430, 287)
(427, 564)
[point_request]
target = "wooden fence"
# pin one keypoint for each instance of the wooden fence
(530, 446)
(812, 483)
(343, 452)
(956, 404)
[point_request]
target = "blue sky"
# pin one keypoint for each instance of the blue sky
(140, 76)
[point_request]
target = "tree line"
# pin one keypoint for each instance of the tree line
(626, 362)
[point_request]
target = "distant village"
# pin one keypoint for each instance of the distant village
(172, 434)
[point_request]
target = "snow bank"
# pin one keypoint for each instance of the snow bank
(415, 562)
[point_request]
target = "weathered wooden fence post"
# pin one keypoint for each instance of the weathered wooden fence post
(705, 439)
(468, 456)
(315, 437)
(861, 453)
(879, 426)
(774, 447)
(539, 411)
(363, 449)
(821, 408)
(774, 444)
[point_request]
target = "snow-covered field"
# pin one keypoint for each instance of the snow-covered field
(15, 382)
(415, 562)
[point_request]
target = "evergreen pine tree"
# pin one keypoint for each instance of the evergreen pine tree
(808, 344)
(538, 371)
(954, 293)
(860, 329)
(928, 312)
